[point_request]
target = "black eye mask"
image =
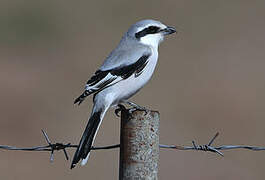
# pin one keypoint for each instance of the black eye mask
(148, 30)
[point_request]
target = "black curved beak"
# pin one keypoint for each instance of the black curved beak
(169, 30)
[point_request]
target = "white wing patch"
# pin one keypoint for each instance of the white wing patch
(107, 81)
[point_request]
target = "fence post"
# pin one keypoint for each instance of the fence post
(139, 145)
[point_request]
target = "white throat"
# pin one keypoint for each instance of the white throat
(152, 40)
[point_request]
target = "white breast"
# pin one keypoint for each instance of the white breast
(128, 87)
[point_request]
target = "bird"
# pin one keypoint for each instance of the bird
(123, 73)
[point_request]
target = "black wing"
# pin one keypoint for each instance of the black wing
(103, 79)
(136, 68)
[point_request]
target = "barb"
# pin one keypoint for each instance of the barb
(61, 146)
(206, 147)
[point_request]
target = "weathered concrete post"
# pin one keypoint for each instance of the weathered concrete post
(139, 145)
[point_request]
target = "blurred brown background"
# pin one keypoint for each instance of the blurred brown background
(210, 78)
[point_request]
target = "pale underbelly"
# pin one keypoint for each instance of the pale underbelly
(125, 89)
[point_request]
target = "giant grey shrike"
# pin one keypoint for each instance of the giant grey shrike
(123, 73)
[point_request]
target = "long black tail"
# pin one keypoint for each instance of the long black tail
(86, 141)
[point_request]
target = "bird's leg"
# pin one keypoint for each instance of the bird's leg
(119, 109)
(136, 107)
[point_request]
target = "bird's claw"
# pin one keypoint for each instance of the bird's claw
(137, 107)
(119, 109)
(131, 110)
(117, 112)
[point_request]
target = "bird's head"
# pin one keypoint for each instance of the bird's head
(149, 32)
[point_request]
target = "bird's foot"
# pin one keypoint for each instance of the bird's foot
(136, 107)
(119, 109)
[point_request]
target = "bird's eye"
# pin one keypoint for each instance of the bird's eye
(146, 31)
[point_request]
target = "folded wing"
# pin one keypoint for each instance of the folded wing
(103, 79)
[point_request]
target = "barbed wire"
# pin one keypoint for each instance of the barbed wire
(51, 147)
(208, 147)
